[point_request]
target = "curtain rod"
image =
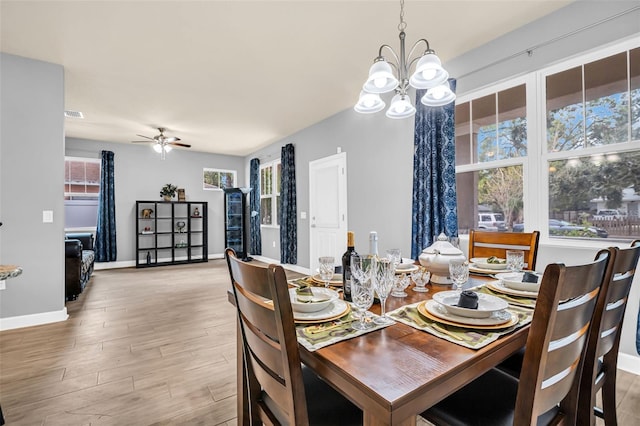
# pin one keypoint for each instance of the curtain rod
(529, 51)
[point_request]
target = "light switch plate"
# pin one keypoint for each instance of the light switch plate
(303, 215)
(47, 216)
(3, 285)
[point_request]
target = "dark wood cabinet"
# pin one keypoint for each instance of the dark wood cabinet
(171, 232)
(236, 221)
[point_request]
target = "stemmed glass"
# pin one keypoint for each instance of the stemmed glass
(515, 260)
(400, 283)
(383, 280)
(361, 288)
(326, 269)
(360, 272)
(459, 273)
(394, 256)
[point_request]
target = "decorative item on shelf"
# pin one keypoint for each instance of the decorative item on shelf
(181, 195)
(180, 226)
(196, 212)
(168, 191)
(147, 230)
(148, 258)
(181, 244)
(428, 74)
(146, 213)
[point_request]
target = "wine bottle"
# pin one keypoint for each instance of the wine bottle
(346, 265)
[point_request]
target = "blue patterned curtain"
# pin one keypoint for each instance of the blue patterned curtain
(288, 215)
(638, 335)
(434, 174)
(106, 250)
(255, 245)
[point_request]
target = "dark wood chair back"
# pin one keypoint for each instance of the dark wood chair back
(557, 340)
(272, 361)
(487, 244)
(601, 362)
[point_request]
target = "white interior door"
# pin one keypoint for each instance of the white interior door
(327, 208)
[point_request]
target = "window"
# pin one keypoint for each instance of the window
(491, 145)
(588, 144)
(81, 192)
(216, 179)
(270, 193)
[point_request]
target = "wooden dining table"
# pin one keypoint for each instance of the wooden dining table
(395, 373)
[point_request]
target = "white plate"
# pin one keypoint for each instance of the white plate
(335, 281)
(320, 300)
(406, 268)
(487, 304)
(335, 308)
(495, 318)
(481, 262)
(500, 287)
(514, 280)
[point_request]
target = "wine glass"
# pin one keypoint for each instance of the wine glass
(382, 277)
(459, 272)
(515, 260)
(394, 256)
(326, 269)
(362, 296)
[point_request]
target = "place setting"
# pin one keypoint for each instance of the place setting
(466, 317)
(323, 318)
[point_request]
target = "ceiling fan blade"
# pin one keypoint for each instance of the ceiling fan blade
(142, 141)
(146, 137)
(180, 144)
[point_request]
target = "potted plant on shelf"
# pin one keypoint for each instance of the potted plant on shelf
(168, 191)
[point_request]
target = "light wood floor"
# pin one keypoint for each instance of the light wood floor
(144, 347)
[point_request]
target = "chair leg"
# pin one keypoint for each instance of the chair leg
(609, 399)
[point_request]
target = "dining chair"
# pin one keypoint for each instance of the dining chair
(487, 244)
(601, 362)
(279, 390)
(547, 391)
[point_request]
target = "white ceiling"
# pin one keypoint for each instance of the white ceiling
(231, 77)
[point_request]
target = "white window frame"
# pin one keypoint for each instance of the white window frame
(81, 195)
(535, 170)
(274, 195)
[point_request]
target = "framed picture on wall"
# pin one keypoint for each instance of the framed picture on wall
(218, 179)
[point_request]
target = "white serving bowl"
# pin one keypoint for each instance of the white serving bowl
(514, 280)
(322, 298)
(487, 304)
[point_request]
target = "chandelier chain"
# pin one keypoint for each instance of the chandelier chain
(402, 25)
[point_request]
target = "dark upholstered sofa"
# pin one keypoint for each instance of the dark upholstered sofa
(79, 260)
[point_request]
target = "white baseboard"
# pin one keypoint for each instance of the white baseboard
(114, 265)
(34, 319)
(629, 363)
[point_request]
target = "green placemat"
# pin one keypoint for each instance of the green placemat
(525, 302)
(316, 336)
(470, 338)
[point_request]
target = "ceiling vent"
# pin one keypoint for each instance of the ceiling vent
(73, 114)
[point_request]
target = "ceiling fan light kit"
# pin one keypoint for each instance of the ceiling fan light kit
(162, 144)
(428, 74)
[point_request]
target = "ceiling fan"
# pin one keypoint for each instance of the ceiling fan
(161, 143)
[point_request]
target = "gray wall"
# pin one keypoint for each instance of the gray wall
(31, 177)
(140, 174)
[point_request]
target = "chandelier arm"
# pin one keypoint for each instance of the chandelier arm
(413, 48)
(396, 65)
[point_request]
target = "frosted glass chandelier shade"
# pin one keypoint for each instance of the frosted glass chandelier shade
(438, 96)
(400, 107)
(381, 78)
(429, 72)
(369, 103)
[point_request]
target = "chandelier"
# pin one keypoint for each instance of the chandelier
(428, 74)
(162, 147)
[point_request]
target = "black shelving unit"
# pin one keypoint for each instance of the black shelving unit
(171, 232)
(236, 221)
